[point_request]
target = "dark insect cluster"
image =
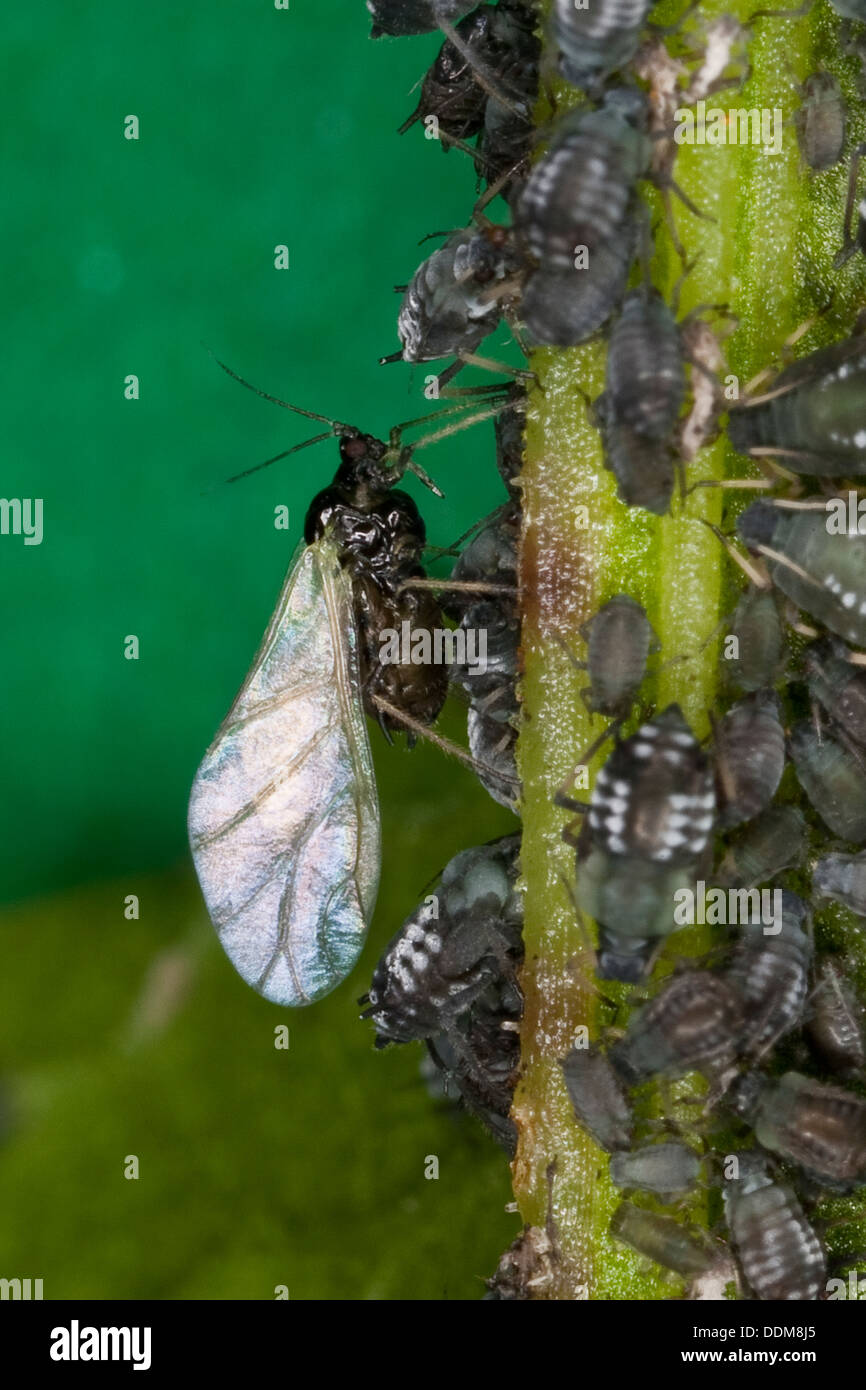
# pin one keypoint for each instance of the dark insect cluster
(747, 819)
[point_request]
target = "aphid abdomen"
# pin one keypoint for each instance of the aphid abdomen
(692, 1024)
(749, 750)
(835, 1022)
(597, 39)
(833, 781)
(779, 1252)
(597, 1096)
(838, 685)
(562, 308)
(770, 974)
(452, 949)
(832, 587)
(664, 1169)
(774, 841)
(579, 193)
(654, 797)
(643, 468)
(760, 653)
(822, 1128)
(820, 122)
(645, 381)
(618, 643)
(633, 902)
(661, 1238)
(446, 307)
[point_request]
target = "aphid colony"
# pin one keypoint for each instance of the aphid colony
(755, 828)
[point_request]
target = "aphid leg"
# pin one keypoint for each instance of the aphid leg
(568, 803)
(850, 243)
(471, 359)
(415, 729)
(785, 354)
(758, 577)
(800, 11)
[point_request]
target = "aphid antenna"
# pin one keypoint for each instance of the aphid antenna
(759, 578)
(489, 364)
(486, 79)
(336, 427)
(465, 422)
(445, 745)
(461, 586)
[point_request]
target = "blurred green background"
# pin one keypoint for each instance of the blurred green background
(258, 1167)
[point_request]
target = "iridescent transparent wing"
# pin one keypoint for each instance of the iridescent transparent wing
(283, 814)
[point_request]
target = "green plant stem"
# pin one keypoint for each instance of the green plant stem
(767, 257)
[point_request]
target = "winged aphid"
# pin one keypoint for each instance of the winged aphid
(283, 812)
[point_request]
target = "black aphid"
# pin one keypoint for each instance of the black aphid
(381, 537)
(643, 468)
(654, 797)
(692, 1024)
(838, 686)
(650, 820)
(506, 139)
(774, 841)
(581, 193)
(464, 937)
(450, 91)
(824, 573)
(811, 417)
(821, 121)
(822, 1128)
(760, 652)
(490, 677)
(769, 972)
(780, 1255)
(664, 1169)
(749, 753)
(834, 1024)
(562, 308)
(834, 782)
(598, 1098)
(663, 1239)
(510, 427)
(455, 298)
(618, 639)
(645, 382)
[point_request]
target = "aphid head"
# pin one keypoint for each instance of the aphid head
(757, 525)
(630, 104)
